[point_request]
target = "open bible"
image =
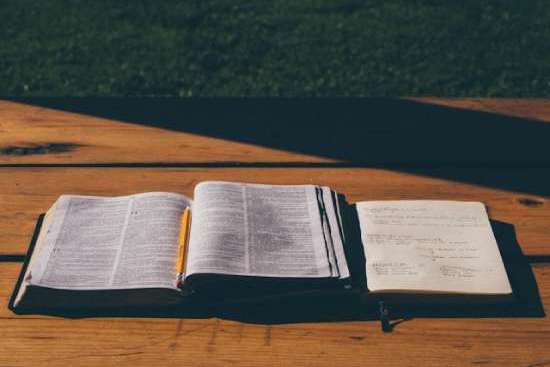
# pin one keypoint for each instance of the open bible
(252, 240)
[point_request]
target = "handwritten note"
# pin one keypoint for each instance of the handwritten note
(431, 246)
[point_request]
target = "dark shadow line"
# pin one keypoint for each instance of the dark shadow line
(12, 258)
(411, 168)
(537, 259)
(188, 165)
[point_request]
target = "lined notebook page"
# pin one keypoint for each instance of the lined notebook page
(430, 246)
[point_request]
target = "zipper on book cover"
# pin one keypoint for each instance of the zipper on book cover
(384, 314)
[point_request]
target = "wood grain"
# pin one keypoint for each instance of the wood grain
(27, 192)
(368, 132)
(38, 340)
(38, 135)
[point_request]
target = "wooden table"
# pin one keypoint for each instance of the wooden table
(495, 151)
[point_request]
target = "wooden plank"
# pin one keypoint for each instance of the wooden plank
(26, 192)
(359, 131)
(530, 108)
(39, 135)
(37, 340)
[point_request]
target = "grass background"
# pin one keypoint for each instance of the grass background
(274, 48)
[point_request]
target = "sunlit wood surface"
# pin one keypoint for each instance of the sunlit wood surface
(45, 152)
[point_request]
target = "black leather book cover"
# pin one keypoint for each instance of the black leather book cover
(37, 228)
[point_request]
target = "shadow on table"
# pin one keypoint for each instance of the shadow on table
(346, 305)
(397, 134)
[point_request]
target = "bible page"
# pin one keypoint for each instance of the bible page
(257, 230)
(433, 246)
(111, 243)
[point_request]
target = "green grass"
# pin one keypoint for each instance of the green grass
(274, 48)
